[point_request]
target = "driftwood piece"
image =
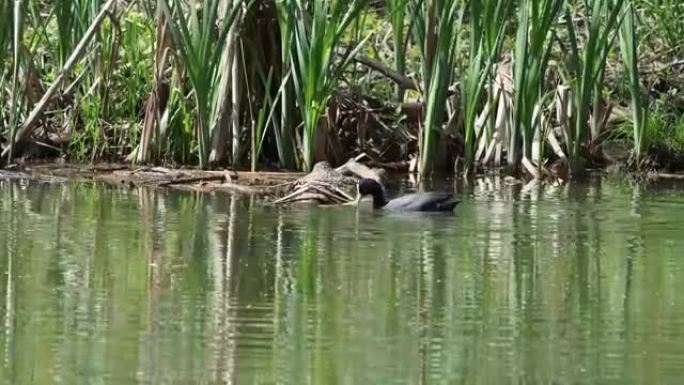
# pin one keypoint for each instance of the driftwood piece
(666, 175)
(192, 180)
(360, 170)
(109, 168)
(401, 166)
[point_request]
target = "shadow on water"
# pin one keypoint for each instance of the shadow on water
(524, 284)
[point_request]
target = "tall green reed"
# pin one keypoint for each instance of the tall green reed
(587, 64)
(95, 118)
(71, 18)
(630, 56)
(17, 53)
(532, 50)
(263, 118)
(284, 132)
(311, 36)
(317, 28)
(100, 82)
(6, 26)
(53, 32)
(271, 88)
(488, 23)
(199, 47)
(397, 10)
(137, 58)
(442, 21)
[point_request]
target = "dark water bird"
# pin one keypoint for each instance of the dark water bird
(426, 201)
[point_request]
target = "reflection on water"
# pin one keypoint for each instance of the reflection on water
(571, 284)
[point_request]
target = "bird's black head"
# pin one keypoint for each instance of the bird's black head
(373, 188)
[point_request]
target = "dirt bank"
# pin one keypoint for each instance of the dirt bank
(155, 177)
(255, 183)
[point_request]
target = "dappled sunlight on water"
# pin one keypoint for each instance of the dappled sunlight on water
(525, 284)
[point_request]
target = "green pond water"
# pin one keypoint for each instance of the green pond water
(578, 284)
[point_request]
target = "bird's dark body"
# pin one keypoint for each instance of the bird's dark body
(425, 202)
(431, 201)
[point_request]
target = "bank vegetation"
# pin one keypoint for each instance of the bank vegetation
(537, 87)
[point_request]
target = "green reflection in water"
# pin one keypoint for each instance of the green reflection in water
(572, 284)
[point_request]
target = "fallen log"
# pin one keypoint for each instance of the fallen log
(191, 180)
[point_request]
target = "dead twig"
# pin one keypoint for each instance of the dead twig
(401, 80)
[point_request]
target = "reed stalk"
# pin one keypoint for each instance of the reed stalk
(630, 57)
(532, 50)
(70, 16)
(6, 27)
(488, 22)
(264, 117)
(17, 52)
(397, 10)
(442, 21)
(588, 62)
(318, 27)
(284, 132)
(200, 47)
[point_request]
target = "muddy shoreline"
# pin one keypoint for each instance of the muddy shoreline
(154, 177)
(245, 182)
